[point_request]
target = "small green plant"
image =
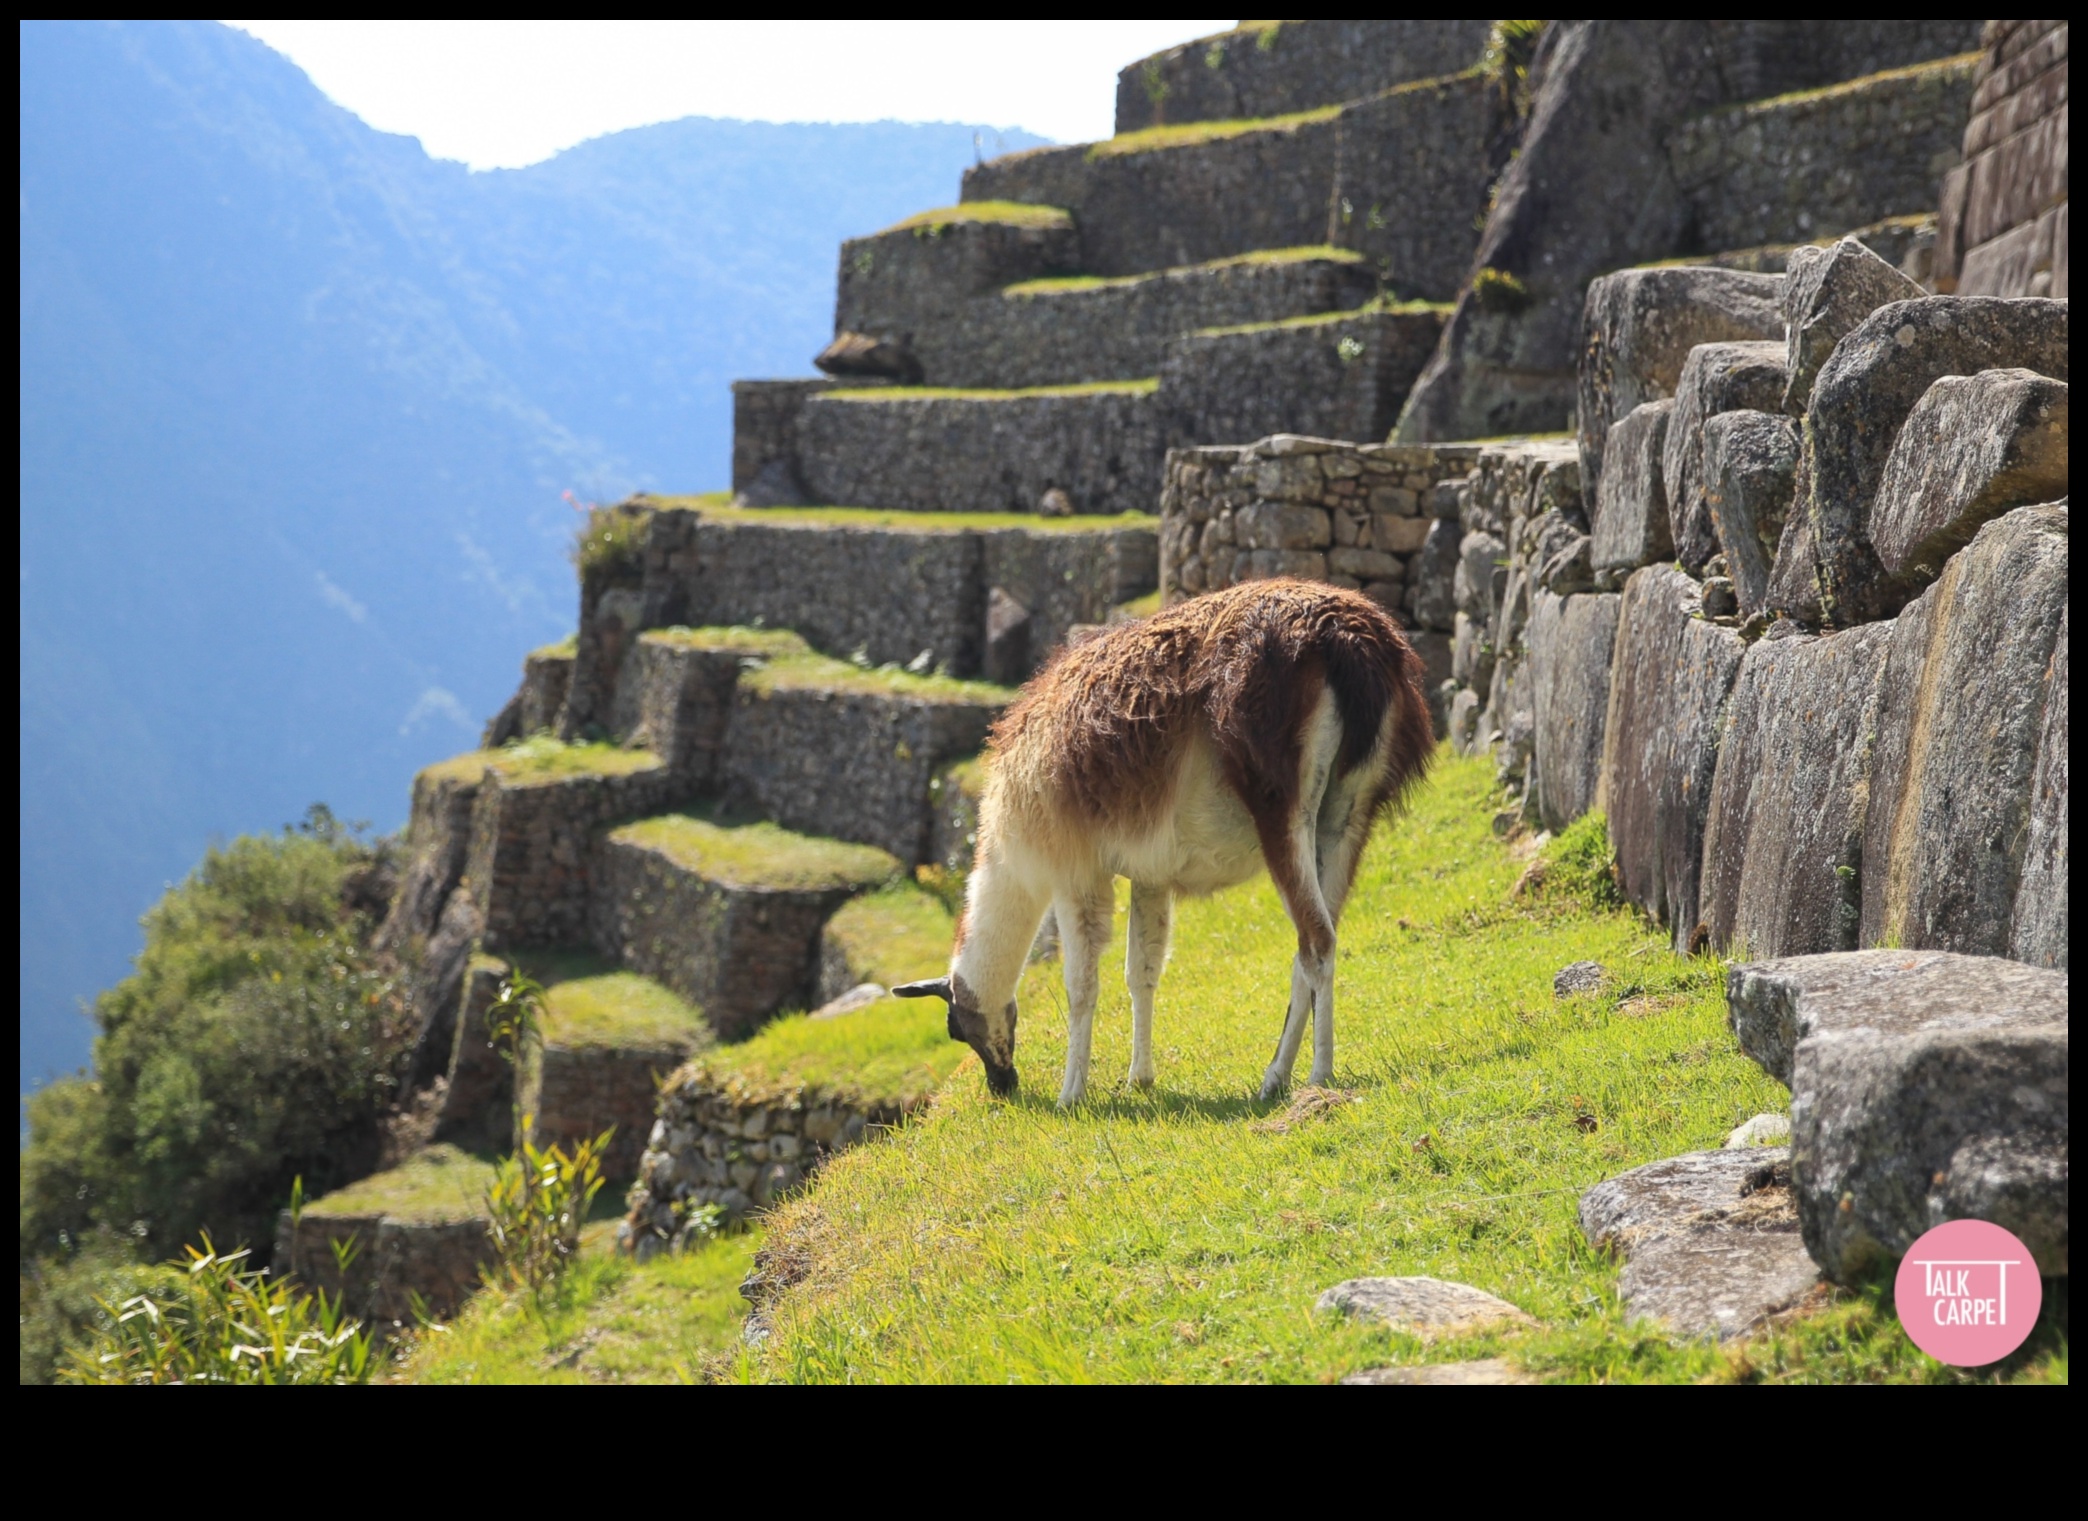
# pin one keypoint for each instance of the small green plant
(1349, 350)
(1266, 41)
(1214, 55)
(611, 543)
(538, 1202)
(1496, 290)
(1510, 49)
(225, 1323)
(1155, 83)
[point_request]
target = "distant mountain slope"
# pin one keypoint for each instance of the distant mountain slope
(298, 404)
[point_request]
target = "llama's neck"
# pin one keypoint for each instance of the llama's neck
(1001, 915)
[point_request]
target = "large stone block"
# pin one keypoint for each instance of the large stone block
(1925, 1087)
(765, 438)
(1668, 686)
(1862, 397)
(1630, 510)
(477, 1111)
(1638, 327)
(1974, 447)
(2039, 932)
(1571, 640)
(1827, 291)
(1783, 839)
(674, 693)
(1805, 165)
(1431, 588)
(729, 918)
(1479, 554)
(1411, 170)
(546, 675)
(984, 451)
(1174, 198)
(1710, 1240)
(1750, 464)
(1338, 375)
(1717, 377)
(1962, 710)
(827, 750)
(1270, 68)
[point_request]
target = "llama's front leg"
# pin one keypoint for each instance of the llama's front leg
(1145, 953)
(1083, 932)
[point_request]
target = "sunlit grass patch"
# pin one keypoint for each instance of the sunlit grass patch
(894, 935)
(891, 1054)
(541, 758)
(758, 854)
(435, 1184)
(1006, 213)
(799, 672)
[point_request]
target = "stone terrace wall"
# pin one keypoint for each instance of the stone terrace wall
(1278, 67)
(574, 1093)
(2003, 229)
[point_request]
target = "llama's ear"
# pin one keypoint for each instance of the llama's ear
(935, 988)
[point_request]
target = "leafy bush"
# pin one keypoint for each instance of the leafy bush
(223, 1322)
(62, 1298)
(611, 543)
(256, 1040)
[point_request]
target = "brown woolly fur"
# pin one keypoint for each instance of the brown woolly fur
(1098, 736)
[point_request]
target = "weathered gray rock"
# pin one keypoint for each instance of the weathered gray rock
(1638, 328)
(1484, 1370)
(1631, 506)
(1974, 447)
(1571, 640)
(1962, 710)
(1430, 1306)
(1826, 292)
(1478, 555)
(1568, 569)
(1794, 575)
(1431, 593)
(1710, 1240)
(1750, 471)
(1471, 657)
(1762, 1130)
(1668, 684)
(1463, 728)
(2039, 933)
(1783, 839)
(1717, 377)
(1862, 396)
(1578, 977)
(1925, 1087)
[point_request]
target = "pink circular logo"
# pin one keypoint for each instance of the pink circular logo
(1968, 1293)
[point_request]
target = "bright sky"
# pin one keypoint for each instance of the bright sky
(501, 94)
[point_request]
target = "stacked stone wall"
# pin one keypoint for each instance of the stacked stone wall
(1274, 68)
(574, 1093)
(395, 1261)
(764, 438)
(2003, 230)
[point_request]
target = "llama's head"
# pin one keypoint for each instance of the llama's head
(991, 1034)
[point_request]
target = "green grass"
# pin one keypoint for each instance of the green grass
(542, 758)
(436, 1184)
(1006, 213)
(1324, 319)
(1178, 1236)
(1957, 63)
(673, 1320)
(897, 934)
(1141, 607)
(818, 672)
(1064, 284)
(890, 1055)
(758, 854)
(873, 394)
(769, 642)
(718, 506)
(620, 1011)
(565, 649)
(1190, 134)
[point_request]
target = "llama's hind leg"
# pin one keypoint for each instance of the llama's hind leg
(1342, 829)
(1145, 953)
(1083, 920)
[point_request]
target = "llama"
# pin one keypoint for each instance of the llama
(1269, 723)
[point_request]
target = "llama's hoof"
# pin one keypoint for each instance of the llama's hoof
(1273, 1087)
(1141, 1080)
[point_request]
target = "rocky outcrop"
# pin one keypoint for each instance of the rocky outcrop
(1570, 641)
(1750, 470)
(1717, 377)
(1924, 1087)
(1668, 686)
(1974, 447)
(1864, 393)
(2039, 932)
(1961, 712)
(1710, 1241)
(1783, 838)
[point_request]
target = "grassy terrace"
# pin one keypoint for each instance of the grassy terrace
(758, 854)
(1325, 319)
(1183, 1235)
(769, 643)
(892, 1054)
(874, 394)
(1006, 213)
(1066, 284)
(541, 758)
(717, 506)
(895, 935)
(1190, 134)
(588, 1002)
(801, 672)
(436, 1184)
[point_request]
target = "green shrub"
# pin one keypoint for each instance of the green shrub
(63, 1293)
(611, 543)
(1496, 290)
(256, 1040)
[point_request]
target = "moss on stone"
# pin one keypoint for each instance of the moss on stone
(759, 855)
(890, 1055)
(438, 1184)
(896, 934)
(717, 507)
(818, 672)
(1190, 134)
(543, 758)
(1006, 213)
